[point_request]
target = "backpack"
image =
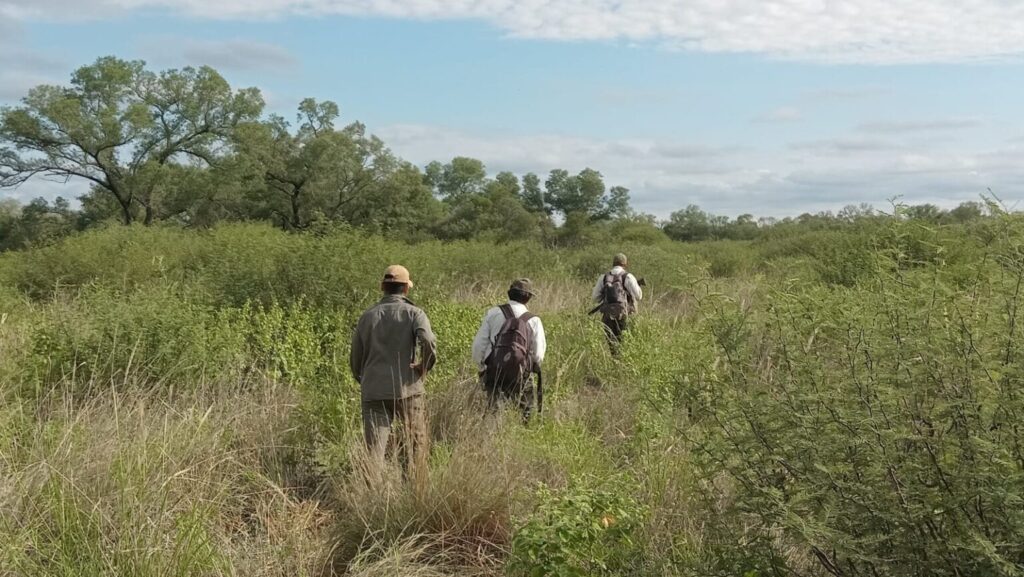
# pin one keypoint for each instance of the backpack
(614, 298)
(510, 363)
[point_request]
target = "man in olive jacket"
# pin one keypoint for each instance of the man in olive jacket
(384, 363)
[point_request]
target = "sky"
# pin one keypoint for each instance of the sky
(768, 107)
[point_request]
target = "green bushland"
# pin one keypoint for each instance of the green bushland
(812, 402)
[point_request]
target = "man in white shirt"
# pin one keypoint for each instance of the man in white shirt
(617, 293)
(520, 344)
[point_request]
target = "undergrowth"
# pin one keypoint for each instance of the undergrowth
(838, 402)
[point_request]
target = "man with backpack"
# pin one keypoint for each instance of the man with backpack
(509, 349)
(384, 363)
(617, 293)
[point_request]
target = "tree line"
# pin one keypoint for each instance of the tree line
(182, 146)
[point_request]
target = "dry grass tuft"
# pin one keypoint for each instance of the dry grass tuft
(460, 512)
(144, 483)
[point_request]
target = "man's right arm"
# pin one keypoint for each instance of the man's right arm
(482, 341)
(355, 357)
(597, 293)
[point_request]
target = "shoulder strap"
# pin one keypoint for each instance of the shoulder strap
(507, 311)
(527, 317)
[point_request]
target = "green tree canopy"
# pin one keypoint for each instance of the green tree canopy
(316, 173)
(120, 126)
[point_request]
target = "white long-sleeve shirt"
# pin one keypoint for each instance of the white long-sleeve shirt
(629, 283)
(491, 325)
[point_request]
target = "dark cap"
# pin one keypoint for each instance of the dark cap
(523, 285)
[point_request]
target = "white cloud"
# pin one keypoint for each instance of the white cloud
(21, 68)
(781, 114)
(227, 55)
(844, 145)
(853, 31)
(44, 188)
(238, 54)
(848, 93)
(664, 175)
(913, 126)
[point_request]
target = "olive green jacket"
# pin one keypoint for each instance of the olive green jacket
(384, 349)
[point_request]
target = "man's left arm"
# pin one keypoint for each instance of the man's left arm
(355, 357)
(598, 293)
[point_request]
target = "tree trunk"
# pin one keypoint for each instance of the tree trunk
(296, 219)
(124, 199)
(126, 211)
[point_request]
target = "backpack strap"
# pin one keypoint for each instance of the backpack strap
(506, 310)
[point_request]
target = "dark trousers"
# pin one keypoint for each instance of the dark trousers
(523, 397)
(613, 330)
(378, 424)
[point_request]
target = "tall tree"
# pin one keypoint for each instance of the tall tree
(401, 204)
(926, 212)
(458, 179)
(533, 195)
(966, 212)
(318, 172)
(617, 203)
(508, 183)
(119, 126)
(478, 206)
(689, 224)
(582, 194)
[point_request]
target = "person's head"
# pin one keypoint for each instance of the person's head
(396, 280)
(521, 291)
(620, 260)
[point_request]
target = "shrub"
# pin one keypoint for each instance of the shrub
(579, 532)
(870, 428)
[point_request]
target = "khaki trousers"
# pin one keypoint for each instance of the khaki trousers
(378, 424)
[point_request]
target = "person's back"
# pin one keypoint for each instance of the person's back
(509, 348)
(389, 332)
(384, 363)
(617, 293)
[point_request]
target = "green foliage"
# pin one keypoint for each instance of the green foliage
(726, 258)
(36, 224)
(122, 128)
(831, 398)
(151, 336)
(578, 532)
(869, 424)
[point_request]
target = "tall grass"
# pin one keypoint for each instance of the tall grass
(178, 403)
